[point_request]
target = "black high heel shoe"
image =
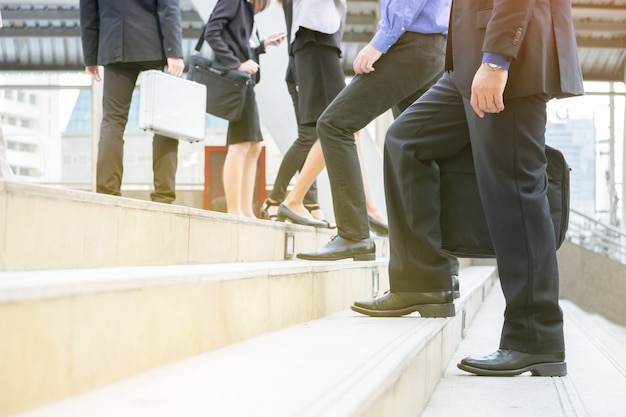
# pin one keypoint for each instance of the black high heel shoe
(265, 211)
(284, 213)
(377, 227)
(311, 209)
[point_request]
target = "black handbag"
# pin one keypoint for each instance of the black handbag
(463, 225)
(226, 89)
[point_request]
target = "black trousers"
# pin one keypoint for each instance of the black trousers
(408, 68)
(510, 163)
(119, 84)
(294, 158)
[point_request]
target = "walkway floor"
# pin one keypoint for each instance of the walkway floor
(594, 387)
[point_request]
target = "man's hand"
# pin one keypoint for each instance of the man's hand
(364, 61)
(94, 72)
(488, 90)
(175, 66)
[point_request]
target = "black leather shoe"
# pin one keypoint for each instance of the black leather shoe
(456, 287)
(396, 304)
(378, 227)
(340, 248)
(508, 362)
(285, 213)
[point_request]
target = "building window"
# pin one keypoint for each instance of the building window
(22, 147)
(8, 94)
(32, 99)
(28, 147)
(24, 171)
(21, 97)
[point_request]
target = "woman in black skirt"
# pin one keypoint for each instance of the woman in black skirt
(229, 32)
(314, 31)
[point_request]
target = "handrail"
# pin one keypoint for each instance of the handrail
(596, 236)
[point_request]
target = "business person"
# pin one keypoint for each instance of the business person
(294, 157)
(128, 37)
(315, 31)
(505, 60)
(229, 32)
(403, 59)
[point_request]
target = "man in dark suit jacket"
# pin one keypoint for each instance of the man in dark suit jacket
(127, 37)
(505, 59)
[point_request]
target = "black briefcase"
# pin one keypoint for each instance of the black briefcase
(227, 90)
(463, 225)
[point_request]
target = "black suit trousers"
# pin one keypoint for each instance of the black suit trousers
(405, 72)
(510, 163)
(119, 84)
(294, 158)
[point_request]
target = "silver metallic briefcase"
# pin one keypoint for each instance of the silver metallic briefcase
(171, 106)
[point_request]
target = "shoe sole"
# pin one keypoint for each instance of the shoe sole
(357, 257)
(552, 369)
(318, 224)
(425, 310)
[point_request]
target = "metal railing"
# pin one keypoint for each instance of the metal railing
(598, 237)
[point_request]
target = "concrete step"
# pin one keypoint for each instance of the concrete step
(68, 331)
(344, 364)
(47, 228)
(594, 386)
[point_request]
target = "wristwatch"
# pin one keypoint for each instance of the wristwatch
(493, 67)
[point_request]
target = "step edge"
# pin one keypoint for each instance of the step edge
(45, 284)
(354, 399)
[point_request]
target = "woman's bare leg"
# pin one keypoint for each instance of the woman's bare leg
(311, 169)
(233, 177)
(249, 178)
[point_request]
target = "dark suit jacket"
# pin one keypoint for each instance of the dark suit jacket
(536, 35)
(228, 32)
(130, 30)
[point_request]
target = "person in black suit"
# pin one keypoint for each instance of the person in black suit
(236, 45)
(127, 37)
(505, 59)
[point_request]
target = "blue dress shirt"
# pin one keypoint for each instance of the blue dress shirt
(497, 59)
(399, 16)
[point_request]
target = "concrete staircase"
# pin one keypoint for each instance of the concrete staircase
(594, 385)
(114, 306)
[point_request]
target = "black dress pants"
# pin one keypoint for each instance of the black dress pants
(409, 68)
(294, 158)
(510, 164)
(119, 84)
